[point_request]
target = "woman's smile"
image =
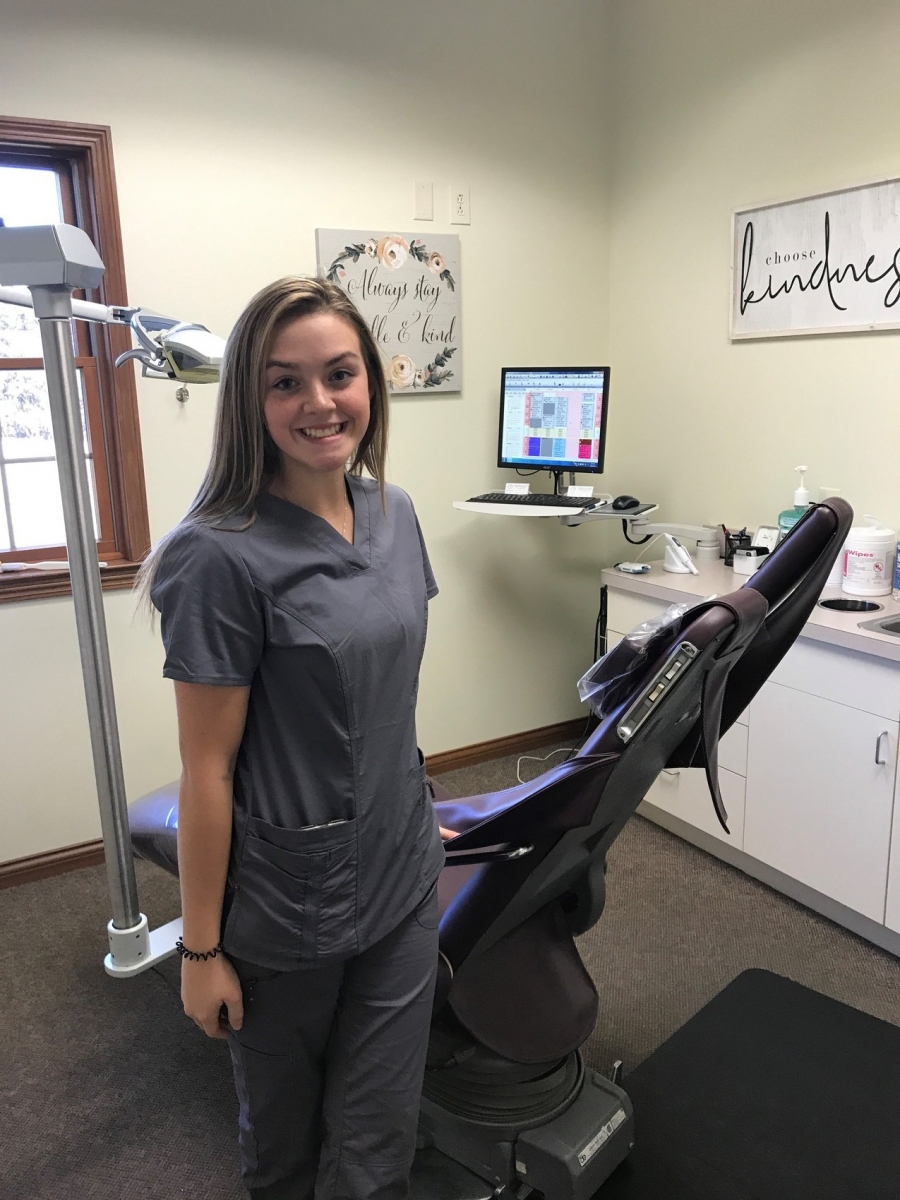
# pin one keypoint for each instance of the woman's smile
(317, 432)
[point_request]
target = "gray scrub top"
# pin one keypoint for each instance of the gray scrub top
(335, 839)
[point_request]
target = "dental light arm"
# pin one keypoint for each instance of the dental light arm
(677, 559)
(49, 262)
(638, 531)
(703, 535)
(85, 310)
(167, 348)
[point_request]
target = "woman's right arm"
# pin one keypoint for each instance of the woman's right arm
(211, 723)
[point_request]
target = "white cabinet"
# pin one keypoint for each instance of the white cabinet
(820, 790)
(625, 610)
(684, 793)
(808, 776)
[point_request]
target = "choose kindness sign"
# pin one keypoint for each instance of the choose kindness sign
(407, 288)
(823, 264)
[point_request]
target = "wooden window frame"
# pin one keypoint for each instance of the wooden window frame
(88, 150)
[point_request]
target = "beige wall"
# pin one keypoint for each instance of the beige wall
(236, 133)
(721, 104)
(233, 146)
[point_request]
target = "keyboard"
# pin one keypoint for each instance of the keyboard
(529, 499)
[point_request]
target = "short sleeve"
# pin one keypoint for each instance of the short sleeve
(431, 587)
(210, 613)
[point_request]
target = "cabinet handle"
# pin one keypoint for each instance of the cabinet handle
(879, 761)
(671, 774)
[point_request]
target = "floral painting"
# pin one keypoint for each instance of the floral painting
(407, 288)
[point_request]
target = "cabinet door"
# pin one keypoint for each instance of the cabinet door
(624, 610)
(684, 793)
(818, 804)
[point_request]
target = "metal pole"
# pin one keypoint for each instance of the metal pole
(65, 411)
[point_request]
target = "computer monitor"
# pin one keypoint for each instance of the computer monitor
(553, 418)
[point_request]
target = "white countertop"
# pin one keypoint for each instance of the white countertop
(715, 579)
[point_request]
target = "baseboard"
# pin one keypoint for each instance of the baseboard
(90, 854)
(53, 862)
(515, 743)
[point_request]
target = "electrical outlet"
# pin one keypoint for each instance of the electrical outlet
(459, 205)
(424, 206)
(825, 493)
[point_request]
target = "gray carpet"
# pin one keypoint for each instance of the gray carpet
(108, 1092)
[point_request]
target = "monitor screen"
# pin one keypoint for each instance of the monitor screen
(553, 418)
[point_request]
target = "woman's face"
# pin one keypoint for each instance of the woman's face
(316, 394)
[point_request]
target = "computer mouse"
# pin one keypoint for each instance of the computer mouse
(621, 502)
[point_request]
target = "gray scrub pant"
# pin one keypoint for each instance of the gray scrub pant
(328, 1067)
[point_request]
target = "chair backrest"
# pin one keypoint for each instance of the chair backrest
(572, 813)
(791, 579)
(505, 929)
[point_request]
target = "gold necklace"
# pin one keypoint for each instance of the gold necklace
(274, 490)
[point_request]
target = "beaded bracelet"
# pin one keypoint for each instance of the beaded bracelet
(193, 956)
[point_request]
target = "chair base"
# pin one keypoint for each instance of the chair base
(567, 1157)
(436, 1177)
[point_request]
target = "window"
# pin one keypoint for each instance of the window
(51, 172)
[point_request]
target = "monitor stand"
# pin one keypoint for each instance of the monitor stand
(558, 478)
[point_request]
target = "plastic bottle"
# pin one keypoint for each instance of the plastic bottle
(869, 553)
(789, 518)
(895, 593)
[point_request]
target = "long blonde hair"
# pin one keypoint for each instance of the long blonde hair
(244, 458)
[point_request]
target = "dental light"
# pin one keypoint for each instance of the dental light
(167, 348)
(174, 349)
(40, 267)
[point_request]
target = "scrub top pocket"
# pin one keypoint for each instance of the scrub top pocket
(296, 893)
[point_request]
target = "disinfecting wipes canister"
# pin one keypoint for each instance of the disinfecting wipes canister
(868, 559)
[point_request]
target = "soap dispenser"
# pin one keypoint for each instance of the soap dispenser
(789, 518)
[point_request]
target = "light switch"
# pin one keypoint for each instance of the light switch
(424, 206)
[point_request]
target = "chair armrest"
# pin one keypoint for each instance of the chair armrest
(502, 853)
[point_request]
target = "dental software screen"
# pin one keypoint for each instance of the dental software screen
(553, 417)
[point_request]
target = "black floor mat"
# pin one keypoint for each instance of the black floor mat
(771, 1092)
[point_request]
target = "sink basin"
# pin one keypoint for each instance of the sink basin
(888, 625)
(845, 604)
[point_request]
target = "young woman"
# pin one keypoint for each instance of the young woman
(293, 602)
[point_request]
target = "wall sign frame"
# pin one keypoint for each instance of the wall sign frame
(407, 288)
(828, 263)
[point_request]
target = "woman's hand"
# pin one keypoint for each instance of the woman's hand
(447, 834)
(207, 987)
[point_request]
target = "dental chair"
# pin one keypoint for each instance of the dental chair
(509, 1109)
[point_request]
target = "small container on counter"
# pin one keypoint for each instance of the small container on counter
(748, 558)
(868, 559)
(733, 540)
(895, 593)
